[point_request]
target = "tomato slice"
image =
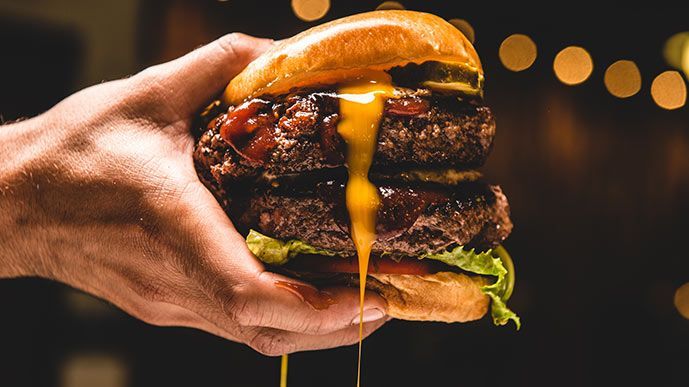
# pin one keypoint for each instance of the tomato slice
(380, 265)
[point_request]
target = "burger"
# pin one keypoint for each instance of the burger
(272, 152)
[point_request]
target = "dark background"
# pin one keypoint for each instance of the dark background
(598, 188)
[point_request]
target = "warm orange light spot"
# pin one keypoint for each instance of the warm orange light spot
(310, 10)
(675, 48)
(517, 52)
(465, 27)
(573, 65)
(622, 79)
(389, 5)
(682, 300)
(669, 90)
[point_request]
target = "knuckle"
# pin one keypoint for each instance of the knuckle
(239, 314)
(272, 343)
(237, 306)
(229, 42)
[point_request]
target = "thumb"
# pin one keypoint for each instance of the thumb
(189, 82)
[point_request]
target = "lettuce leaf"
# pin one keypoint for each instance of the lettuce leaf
(485, 263)
(490, 263)
(276, 252)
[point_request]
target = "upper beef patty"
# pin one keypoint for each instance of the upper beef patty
(298, 133)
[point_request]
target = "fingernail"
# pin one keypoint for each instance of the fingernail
(369, 315)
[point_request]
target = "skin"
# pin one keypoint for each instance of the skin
(100, 193)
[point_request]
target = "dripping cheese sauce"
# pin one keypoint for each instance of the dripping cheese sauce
(361, 109)
(362, 102)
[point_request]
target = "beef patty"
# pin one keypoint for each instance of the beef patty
(412, 220)
(298, 132)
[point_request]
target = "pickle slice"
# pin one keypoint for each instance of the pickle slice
(448, 78)
(452, 87)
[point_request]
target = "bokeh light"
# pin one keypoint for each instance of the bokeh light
(465, 27)
(573, 65)
(84, 305)
(622, 79)
(675, 49)
(310, 10)
(682, 300)
(389, 5)
(86, 370)
(669, 90)
(517, 52)
(685, 60)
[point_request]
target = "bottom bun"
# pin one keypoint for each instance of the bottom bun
(445, 296)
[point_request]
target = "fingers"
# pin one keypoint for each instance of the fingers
(268, 341)
(275, 301)
(189, 82)
(248, 296)
(273, 342)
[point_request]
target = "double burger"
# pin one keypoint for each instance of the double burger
(272, 152)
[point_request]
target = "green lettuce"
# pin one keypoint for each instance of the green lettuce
(490, 263)
(486, 263)
(276, 252)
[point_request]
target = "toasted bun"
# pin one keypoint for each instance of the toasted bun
(447, 297)
(344, 48)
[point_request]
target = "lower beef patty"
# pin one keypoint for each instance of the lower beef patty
(298, 133)
(411, 220)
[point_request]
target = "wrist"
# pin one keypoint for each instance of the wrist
(20, 244)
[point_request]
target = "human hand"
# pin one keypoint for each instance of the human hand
(100, 193)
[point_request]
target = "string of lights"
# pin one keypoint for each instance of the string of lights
(572, 66)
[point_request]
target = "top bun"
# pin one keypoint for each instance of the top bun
(344, 48)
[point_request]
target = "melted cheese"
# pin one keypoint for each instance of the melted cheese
(283, 371)
(361, 108)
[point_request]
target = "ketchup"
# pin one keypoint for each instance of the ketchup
(250, 130)
(317, 299)
(410, 106)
